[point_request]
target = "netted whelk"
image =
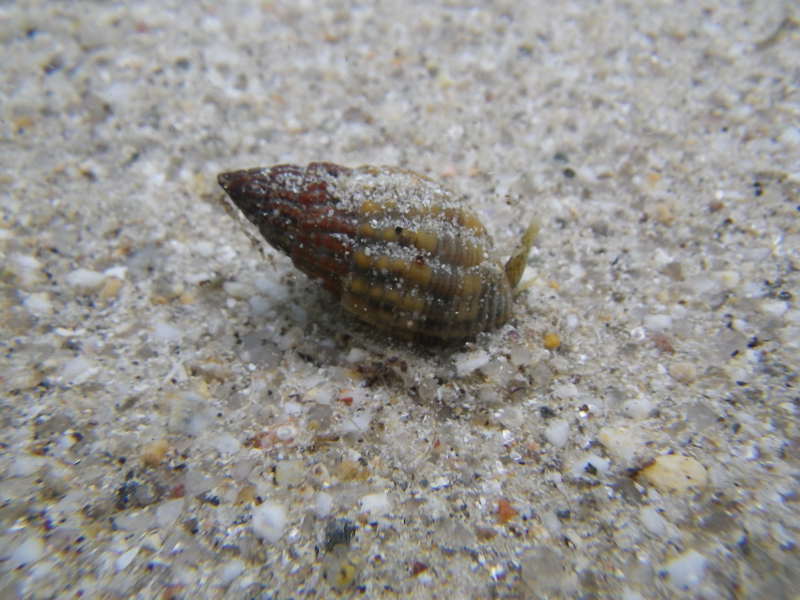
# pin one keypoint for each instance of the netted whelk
(398, 249)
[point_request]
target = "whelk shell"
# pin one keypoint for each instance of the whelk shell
(398, 250)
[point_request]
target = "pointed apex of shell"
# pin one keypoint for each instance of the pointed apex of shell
(225, 179)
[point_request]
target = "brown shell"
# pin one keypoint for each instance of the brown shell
(397, 249)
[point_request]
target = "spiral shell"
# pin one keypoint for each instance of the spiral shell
(397, 249)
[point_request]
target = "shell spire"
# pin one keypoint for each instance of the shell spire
(293, 210)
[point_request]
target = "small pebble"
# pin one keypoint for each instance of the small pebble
(590, 466)
(551, 340)
(204, 248)
(164, 332)
(260, 305)
(565, 391)
(135, 521)
(79, 370)
(356, 355)
(339, 572)
(663, 213)
(674, 270)
(637, 408)
(237, 290)
(339, 532)
(377, 504)
(658, 322)
(154, 452)
(358, 423)
(684, 372)
(620, 442)
(790, 136)
(111, 288)
(225, 443)
(350, 470)
(197, 482)
(246, 495)
(168, 512)
(675, 473)
(270, 287)
(323, 505)
(557, 432)
(729, 279)
(125, 559)
(686, 570)
(653, 521)
(38, 304)
(189, 413)
(521, 354)
(230, 571)
(774, 308)
(468, 362)
(786, 539)
(289, 472)
(85, 279)
(27, 269)
(118, 272)
(544, 572)
(26, 553)
(505, 512)
(269, 521)
(25, 465)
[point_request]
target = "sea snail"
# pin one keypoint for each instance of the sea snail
(396, 248)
